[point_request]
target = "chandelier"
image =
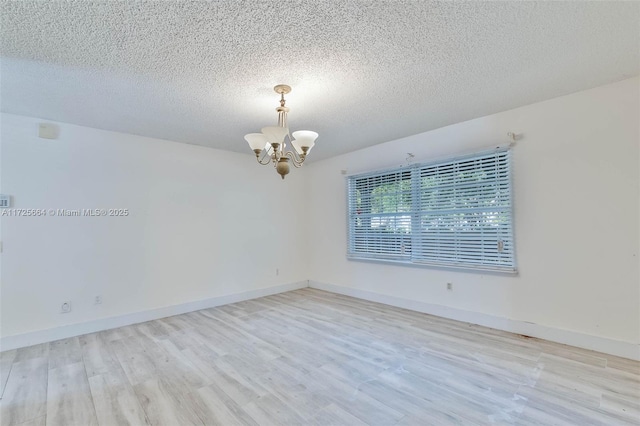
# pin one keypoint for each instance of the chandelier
(270, 146)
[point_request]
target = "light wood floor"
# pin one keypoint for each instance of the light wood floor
(309, 357)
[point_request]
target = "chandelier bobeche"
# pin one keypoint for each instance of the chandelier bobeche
(270, 146)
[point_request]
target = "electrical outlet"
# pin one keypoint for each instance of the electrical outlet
(450, 286)
(65, 307)
(97, 300)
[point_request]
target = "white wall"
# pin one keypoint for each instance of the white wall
(201, 225)
(576, 194)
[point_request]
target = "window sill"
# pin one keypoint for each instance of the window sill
(435, 265)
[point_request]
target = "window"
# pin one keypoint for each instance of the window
(452, 213)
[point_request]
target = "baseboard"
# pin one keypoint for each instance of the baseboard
(71, 330)
(567, 337)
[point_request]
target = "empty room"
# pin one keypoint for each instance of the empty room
(319, 212)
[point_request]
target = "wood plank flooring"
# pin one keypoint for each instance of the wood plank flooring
(309, 357)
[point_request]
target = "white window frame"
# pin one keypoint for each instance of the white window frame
(452, 213)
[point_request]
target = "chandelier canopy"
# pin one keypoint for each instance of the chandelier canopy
(270, 146)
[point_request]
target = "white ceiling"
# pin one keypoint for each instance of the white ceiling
(363, 72)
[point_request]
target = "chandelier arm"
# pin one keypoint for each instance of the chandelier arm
(295, 159)
(265, 156)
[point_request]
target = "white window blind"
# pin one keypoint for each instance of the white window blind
(451, 213)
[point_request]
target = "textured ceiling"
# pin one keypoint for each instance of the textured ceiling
(363, 72)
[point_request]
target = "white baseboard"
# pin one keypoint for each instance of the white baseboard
(567, 337)
(71, 330)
